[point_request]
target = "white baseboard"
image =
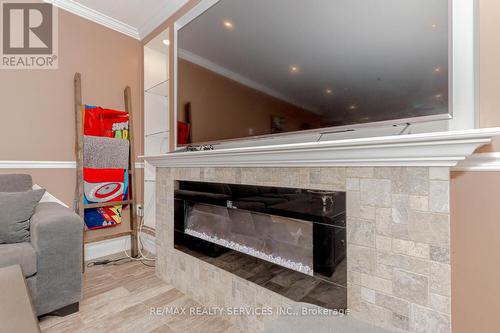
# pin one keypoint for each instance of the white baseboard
(149, 242)
(117, 245)
(106, 247)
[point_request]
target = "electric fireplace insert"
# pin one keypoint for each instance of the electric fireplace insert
(289, 240)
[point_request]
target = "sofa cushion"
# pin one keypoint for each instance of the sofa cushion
(15, 183)
(19, 254)
(16, 209)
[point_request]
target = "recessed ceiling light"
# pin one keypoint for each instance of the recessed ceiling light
(228, 25)
(328, 91)
(434, 25)
(437, 69)
(294, 69)
(352, 107)
(166, 42)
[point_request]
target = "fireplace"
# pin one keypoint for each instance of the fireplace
(289, 240)
(398, 226)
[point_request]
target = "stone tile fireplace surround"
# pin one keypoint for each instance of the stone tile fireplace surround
(398, 221)
(398, 254)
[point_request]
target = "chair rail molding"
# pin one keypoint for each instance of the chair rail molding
(46, 165)
(445, 149)
(480, 162)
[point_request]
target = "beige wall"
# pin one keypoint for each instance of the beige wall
(37, 121)
(475, 222)
(225, 109)
(475, 246)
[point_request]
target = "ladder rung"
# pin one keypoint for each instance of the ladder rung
(108, 204)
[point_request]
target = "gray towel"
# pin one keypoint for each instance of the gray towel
(105, 153)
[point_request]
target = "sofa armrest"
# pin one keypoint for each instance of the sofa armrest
(56, 236)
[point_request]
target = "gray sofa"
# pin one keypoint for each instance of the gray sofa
(51, 261)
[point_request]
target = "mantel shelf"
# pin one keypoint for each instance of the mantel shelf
(445, 149)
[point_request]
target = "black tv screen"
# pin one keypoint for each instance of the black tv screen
(260, 67)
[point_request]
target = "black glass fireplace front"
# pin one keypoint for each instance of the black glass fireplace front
(292, 241)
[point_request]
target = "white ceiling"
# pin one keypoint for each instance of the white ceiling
(354, 47)
(135, 18)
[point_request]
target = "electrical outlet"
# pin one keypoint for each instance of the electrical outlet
(140, 211)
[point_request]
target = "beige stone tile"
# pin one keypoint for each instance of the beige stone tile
(207, 174)
(439, 173)
(383, 243)
(370, 198)
(383, 271)
(417, 202)
(400, 231)
(440, 254)
(255, 176)
(376, 283)
(411, 287)
(361, 232)
(440, 303)
(353, 204)
(226, 175)
(375, 315)
(334, 176)
(352, 184)
(360, 172)
(383, 173)
(419, 250)
(295, 177)
(353, 277)
(361, 259)
(354, 297)
(188, 173)
(439, 196)
(383, 221)
(368, 295)
(400, 322)
(425, 320)
(440, 279)
(404, 262)
(430, 228)
(400, 204)
(400, 181)
(367, 213)
(397, 305)
(418, 181)
(376, 192)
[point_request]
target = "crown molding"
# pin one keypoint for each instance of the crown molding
(95, 16)
(443, 149)
(161, 15)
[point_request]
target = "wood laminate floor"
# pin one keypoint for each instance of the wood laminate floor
(120, 298)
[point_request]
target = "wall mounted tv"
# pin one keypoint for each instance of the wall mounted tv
(252, 68)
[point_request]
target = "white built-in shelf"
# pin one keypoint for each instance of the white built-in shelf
(159, 89)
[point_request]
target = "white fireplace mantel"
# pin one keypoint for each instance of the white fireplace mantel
(446, 149)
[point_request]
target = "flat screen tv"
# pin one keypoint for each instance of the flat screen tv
(248, 68)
